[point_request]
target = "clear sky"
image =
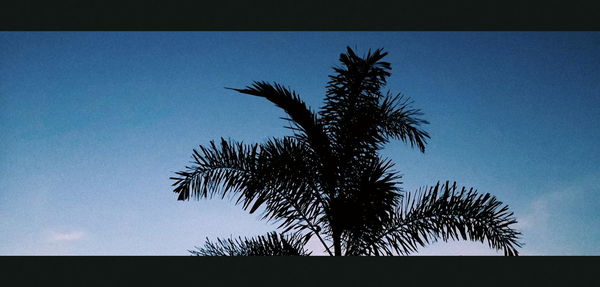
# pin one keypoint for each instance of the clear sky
(94, 123)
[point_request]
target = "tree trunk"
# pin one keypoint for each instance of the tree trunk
(337, 243)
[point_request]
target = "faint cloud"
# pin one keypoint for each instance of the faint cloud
(543, 207)
(564, 221)
(66, 236)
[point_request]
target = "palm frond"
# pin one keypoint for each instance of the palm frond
(358, 79)
(448, 213)
(216, 170)
(276, 175)
(370, 206)
(302, 117)
(306, 124)
(272, 244)
(356, 112)
(399, 120)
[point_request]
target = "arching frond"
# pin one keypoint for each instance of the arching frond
(448, 213)
(272, 244)
(276, 175)
(307, 125)
(302, 117)
(399, 120)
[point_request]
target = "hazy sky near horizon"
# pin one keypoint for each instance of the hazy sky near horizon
(94, 123)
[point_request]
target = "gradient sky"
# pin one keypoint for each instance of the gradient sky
(94, 123)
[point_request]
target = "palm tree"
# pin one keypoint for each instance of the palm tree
(328, 181)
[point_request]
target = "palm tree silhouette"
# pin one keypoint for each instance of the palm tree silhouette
(328, 181)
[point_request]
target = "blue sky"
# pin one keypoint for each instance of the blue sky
(94, 123)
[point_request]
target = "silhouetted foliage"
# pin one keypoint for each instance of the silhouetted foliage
(272, 244)
(328, 179)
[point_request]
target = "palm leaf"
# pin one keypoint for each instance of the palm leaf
(308, 127)
(302, 118)
(272, 244)
(370, 206)
(448, 213)
(399, 120)
(275, 175)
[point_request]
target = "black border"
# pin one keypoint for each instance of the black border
(302, 271)
(293, 15)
